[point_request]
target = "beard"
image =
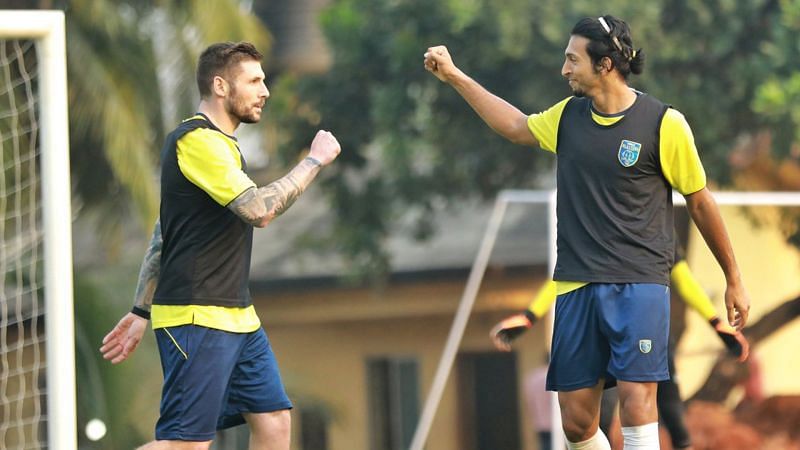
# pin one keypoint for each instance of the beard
(578, 92)
(243, 111)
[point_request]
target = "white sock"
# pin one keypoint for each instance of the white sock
(597, 442)
(642, 437)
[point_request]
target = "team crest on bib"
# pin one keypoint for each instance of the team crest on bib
(628, 152)
(645, 345)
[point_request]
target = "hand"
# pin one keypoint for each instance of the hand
(439, 62)
(737, 302)
(123, 339)
(511, 328)
(324, 148)
(734, 340)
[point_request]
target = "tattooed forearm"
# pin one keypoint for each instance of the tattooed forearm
(259, 206)
(148, 274)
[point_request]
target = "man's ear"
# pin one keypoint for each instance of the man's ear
(220, 86)
(606, 64)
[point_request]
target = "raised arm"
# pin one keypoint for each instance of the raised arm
(706, 216)
(123, 339)
(259, 206)
(504, 118)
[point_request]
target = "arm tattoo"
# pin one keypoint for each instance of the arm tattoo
(148, 274)
(258, 206)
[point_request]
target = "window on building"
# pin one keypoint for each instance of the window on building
(235, 438)
(313, 428)
(393, 397)
(488, 401)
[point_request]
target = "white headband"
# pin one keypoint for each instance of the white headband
(605, 25)
(613, 38)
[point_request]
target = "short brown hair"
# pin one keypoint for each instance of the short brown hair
(218, 59)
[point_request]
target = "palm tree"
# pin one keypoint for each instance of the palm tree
(130, 68)
(122, 55)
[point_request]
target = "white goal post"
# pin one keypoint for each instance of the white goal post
(481, 262)
(47, 30)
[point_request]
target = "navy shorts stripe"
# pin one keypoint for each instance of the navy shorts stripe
(212, 377)
(612, 332)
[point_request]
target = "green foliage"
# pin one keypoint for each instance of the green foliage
(777, 99)
(117, 114)
(112, 393)
(410, 144)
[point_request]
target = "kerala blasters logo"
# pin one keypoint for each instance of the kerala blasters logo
(645, 345)
(628, 152)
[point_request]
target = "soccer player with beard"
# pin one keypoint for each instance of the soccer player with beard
(619, 154)
(219, 368)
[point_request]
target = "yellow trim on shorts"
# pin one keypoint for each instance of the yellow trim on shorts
(185, 356)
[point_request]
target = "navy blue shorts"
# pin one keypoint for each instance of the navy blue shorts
(211, 377)
(610, 331)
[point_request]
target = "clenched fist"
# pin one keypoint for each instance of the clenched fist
(439, 62)
(324, 148)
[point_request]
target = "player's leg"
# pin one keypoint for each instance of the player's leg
(580, 412)
(256, 395)
(176, 445)
(608, 409)
(578, 367)
(637, 403)
(671, 409)
(635, 319)
(270, 431)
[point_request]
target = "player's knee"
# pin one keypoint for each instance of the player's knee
(637, 407)
(275, 425)
(578, 426)
(282, 421)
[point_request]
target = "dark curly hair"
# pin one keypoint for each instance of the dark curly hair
(614, 43)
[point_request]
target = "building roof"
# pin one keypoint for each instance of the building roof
(522, 241)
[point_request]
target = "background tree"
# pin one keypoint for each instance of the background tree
(413, 146)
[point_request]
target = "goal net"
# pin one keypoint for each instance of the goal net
(760, 225)
(37, 381)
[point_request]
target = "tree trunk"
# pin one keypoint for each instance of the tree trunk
(727, 373)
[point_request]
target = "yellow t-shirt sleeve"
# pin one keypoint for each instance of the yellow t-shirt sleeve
(211, 161)
(690, 290)
(680, 162)
(544, 299)
(544, 125)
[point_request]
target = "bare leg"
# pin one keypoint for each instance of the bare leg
(637, 403)
(270, 431)
(638, 415)
(580, 412)
(176, 445)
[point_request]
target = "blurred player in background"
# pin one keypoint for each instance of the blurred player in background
(619, 154)
(670, 406)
